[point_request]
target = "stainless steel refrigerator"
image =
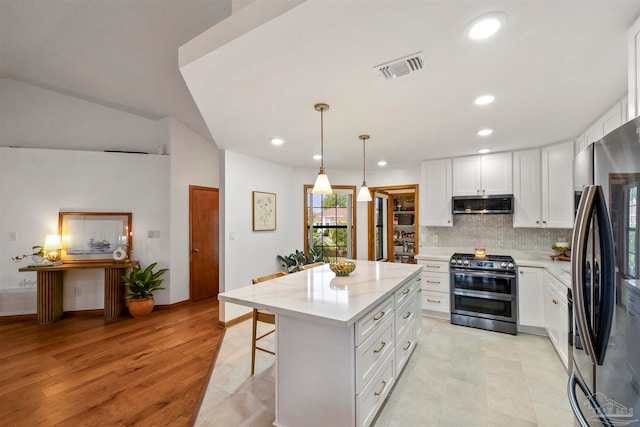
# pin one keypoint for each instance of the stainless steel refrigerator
(603, 386)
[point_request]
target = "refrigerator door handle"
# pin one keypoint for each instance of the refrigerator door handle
(579, 245)
(575, 405)
(573, 399)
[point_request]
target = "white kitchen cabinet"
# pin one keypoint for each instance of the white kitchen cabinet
(527, 194)
(557, 186)
(436, 291)
(531, 313)
(557, 316)
(543, 187)
(436, 192)
(483, 175)
(615, 117)
(634, 69)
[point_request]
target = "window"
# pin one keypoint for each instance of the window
(631, 232)
(330, 222)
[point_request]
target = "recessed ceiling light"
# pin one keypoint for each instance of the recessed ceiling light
(485, 26)
(277, 141)
(317, 157)
(485, 132)
(484, 150)
(484, 99)
(382, 163)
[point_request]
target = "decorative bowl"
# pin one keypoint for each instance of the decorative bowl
(342, 268)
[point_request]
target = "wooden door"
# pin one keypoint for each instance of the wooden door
(204, 242)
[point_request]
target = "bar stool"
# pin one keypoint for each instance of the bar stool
(261, 316)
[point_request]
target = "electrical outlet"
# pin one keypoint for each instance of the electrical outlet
(434, 239)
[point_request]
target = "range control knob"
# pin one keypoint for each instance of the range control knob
(503, 265)
(511, 266)
(465, 262)
(453, 261)
(459, 262)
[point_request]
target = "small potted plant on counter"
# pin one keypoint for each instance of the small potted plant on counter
(142, 284)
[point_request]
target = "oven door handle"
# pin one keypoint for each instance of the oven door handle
(482, 273)
(483, 294)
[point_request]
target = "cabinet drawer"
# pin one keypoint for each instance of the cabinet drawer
(368, 323)
(405, 316)
(435, 282)
(436, 301)
(436, 266)
(405, 345)
(406, 291)
(372, 397)
(372, 352)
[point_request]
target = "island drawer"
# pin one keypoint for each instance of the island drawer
(435, 282)
(434, 266)
(406, 291)
(372, 352)
(368, 402)
(405, 345)
(368, 323)
(436, 301)
(405, 315)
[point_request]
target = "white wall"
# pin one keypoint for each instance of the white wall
(194, 161)
(247, 253)
(34, 117)
(36, 184)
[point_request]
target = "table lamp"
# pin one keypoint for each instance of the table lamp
(52, 246)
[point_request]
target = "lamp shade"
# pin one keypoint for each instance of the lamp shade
(322, 185)
(52, 242)
(364, 195)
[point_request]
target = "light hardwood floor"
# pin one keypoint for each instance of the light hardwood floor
(80, 371)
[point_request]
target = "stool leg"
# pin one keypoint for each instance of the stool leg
(253, 341)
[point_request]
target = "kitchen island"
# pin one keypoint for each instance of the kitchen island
(341, 342)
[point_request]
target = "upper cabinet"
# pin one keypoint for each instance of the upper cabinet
(615, 117)
(483, 175)
(435, 188)
(634, 71)
(543, 187)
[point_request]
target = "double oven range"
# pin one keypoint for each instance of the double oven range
(484, 292)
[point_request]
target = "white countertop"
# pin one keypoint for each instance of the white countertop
(560, 269)
(317, 294)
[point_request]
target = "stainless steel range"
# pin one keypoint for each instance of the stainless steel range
(484, 292)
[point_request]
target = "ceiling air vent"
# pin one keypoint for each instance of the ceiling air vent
(402, 67)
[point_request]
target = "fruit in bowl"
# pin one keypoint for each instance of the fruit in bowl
(342, 268)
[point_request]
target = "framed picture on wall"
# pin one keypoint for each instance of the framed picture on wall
(94, 236)
(264, 211)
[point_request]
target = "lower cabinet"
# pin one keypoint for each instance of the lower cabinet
(531, 311)
(436, 292)
(385, 339)
(557, 316)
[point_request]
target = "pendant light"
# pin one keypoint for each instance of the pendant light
(322, 185)
(364, 195)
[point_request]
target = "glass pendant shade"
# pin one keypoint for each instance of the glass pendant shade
(322, 185)
(364, 195)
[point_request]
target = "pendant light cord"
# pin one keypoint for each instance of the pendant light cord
(322, 140)
(364, 165)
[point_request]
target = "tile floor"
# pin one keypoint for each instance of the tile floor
(457, 376)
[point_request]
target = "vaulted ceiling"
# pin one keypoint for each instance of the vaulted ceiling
(554, 68)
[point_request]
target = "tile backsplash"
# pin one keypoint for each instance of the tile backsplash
(492, 231)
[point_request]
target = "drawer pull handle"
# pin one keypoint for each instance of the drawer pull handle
(555, 302)
(632, 299)
(434, 281)
(419, 290)
(432, 300)
(406, 291)
(378, 350)
(379, 392)
(418, 279)
(406, 347)
(431, 266)
(406, 316)
(379, 316)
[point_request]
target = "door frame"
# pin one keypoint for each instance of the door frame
(390, 190)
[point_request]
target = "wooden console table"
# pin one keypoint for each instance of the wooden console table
(50, 288)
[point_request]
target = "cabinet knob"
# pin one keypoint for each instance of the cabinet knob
(544, 222)
(537, 222)
(521, 272)
(449, 222)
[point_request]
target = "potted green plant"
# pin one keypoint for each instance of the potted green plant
(142, 283)
(292, 262)
(37, 255)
